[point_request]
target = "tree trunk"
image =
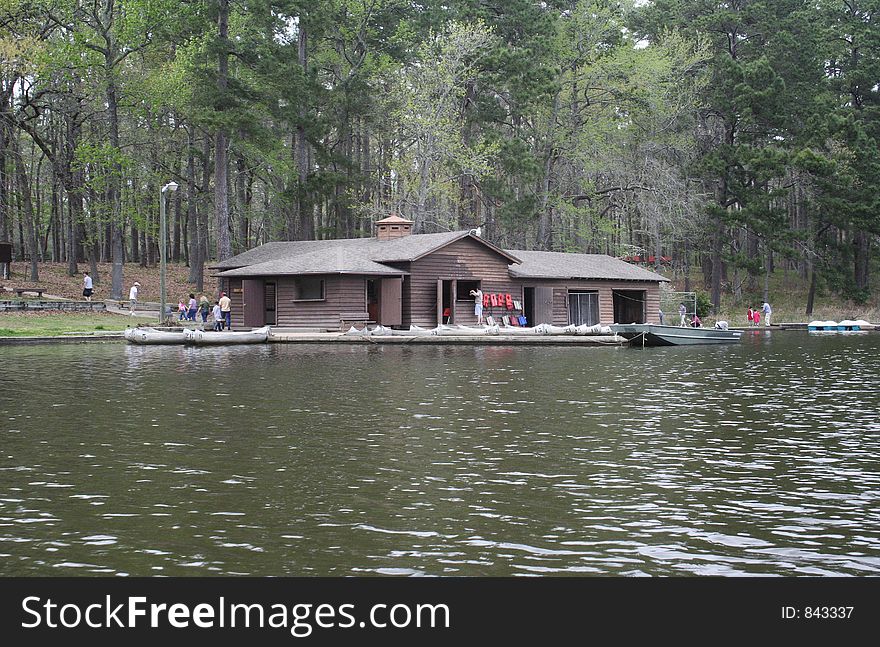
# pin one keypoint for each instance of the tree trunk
(221, 188)
(27, 214)
(862, 246)
(811, 295)
(306, 228)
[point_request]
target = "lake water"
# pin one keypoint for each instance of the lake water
(759, 458)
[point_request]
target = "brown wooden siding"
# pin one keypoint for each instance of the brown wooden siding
(463, 260)
(342, 294)
(606, 301)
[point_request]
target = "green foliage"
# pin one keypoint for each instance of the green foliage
(704, 304)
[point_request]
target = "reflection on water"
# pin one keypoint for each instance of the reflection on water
(757, 458)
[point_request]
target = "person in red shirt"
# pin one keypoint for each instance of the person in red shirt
(750, 316)
(756, 316)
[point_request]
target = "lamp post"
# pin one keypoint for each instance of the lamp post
(171, 186)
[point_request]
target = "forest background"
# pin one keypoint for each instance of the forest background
(716, 140)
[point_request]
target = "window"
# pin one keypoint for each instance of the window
(463, 290)
(583, 308)
(309, 289)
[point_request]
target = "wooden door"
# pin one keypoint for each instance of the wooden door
(253, 303)
(543, 306)
(439, 301)
(390, 302)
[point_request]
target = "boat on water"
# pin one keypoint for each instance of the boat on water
(209, 337)
(656, 335)
(847, 325)
(146, 335)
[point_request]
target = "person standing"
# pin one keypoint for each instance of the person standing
(204, 308)
(661, 317)
(218, 316)
(133, 296)
(750, 315)
(478, 305)
(682, 315)
(192, 307)
(225, 304)
(756, 316)
(767, 310)
(87, 286)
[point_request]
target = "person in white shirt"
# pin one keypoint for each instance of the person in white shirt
(133, 296)
(218, 316)
(767, 312)
(478, 305)
(87, 286)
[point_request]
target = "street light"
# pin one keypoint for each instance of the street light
(171, 186)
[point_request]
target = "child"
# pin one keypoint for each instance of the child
(181, 310)
(750, 315)
(756, 316)
(218, 316)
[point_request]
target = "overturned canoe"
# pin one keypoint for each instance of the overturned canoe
(414, 331)
(465, 331)
(147, 335)
(208, 337)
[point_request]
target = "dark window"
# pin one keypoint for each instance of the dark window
(463, 290)
(583, 308)
(308, 289)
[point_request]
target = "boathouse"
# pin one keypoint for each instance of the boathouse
(398, 278)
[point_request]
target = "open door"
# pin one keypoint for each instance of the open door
(390, 302)
(445, 301)
(253, 303)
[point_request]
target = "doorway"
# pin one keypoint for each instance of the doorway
(445, 301)
(629, 306)
(385, 301)
(269, 290)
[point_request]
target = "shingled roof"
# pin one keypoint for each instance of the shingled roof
(371, 256)
(343, 256)
(562, 265)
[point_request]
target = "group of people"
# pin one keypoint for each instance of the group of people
(187, 311)
(221, 312)
(754, 315)
(694, 322)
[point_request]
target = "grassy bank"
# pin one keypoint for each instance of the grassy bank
(54, 280)
(38, 324)
(788, 299)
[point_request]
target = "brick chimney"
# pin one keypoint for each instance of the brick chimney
(393, 227)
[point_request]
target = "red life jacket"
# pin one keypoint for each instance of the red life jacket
(509, 299)
(493, 299)
(485, 300)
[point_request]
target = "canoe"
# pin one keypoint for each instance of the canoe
(414, 331)
(213, 337)
(146, 335)
(654, 335)
(465, 331)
